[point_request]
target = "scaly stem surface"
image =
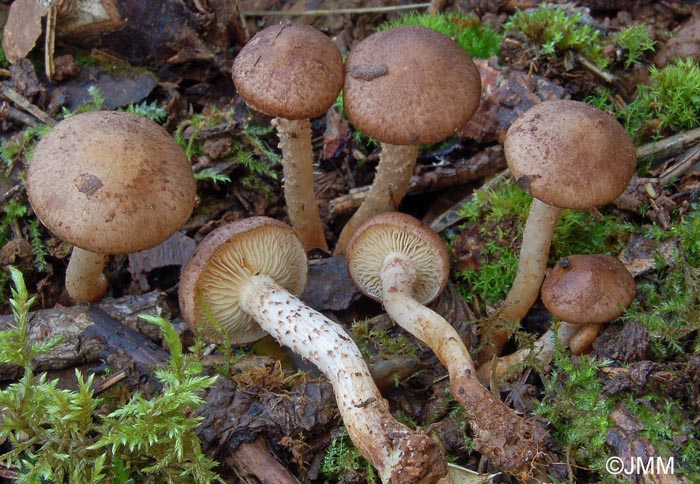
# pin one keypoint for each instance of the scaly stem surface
(401, 456)
(393, 174)
(298, 170)
(512, 443)
(85, 281)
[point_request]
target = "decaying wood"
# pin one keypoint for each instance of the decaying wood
(657, 151)
(252, 460)
(70, 324)
(432, 178)
(20, 101)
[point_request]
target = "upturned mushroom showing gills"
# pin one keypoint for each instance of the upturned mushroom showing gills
(395, 259)
(292, 73)
(404, 87)
(109, 183)
(243, 279)
(567, 154)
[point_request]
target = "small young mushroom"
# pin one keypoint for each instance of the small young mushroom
(405, 87)
(293, 73)
(583, 291)
(588, 290)
(567, 154)
(109, 183)
(242, 279)
(395, 259)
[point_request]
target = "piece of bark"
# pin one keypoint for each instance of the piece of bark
(152, 33)
(22, 28)
(506, 94)
(433, 178)
(329, 286)
(253, 460)
(626, 444)
(71, 323)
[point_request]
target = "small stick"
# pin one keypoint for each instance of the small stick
(22, 102)
(671, 146)
(676, 170)
(337, 11)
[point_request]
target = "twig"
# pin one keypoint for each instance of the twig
(334, 11)
(671, 146)
(605, 75)
(22, 102)
(676, 170)
(432, 179)
(11, 192)
(15, 114)
(451, 216)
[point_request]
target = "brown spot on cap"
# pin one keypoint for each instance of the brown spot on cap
(118, 161)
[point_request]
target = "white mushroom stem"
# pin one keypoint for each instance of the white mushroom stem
(399, 454)
(85, 281)
(390, 184)
(542, 350)
(297, 167)
(532, 265)
(509, 441)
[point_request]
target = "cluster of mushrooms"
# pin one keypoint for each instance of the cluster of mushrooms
(113, 182)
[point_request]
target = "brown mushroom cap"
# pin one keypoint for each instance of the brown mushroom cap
(588, 288)
(410, 85)
(224, 261)
(110, 182)
(289, 70)
(395, 232)
(570, 154)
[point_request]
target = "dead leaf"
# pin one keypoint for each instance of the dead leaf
(22, 29)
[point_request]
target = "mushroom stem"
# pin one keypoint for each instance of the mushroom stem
(510, 442)
(390, 184)
(85, 281)
(534, 252)
(582, 341)
(295, 143)
(399, 454)
(542, 350)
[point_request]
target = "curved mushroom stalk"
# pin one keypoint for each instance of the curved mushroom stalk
(532, 266)
(542, 350)
(510, 442)
(391, 180)
(399, 454)
(582, 341)
(85, 281)
(298, 170)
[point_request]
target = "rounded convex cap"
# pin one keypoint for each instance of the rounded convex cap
(395, 232)
(410, 85)
(570, 154)
(110, 182)
(289, 71)
(224, 261)
(588, 288)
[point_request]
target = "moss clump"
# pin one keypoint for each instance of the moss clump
(554, 32)
(58, 435)
(478, 40)
(669, 103)
(497, 216)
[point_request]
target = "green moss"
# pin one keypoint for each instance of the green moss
(57, 435)
(635, 41)
(478, 40)
(669, 103)
(554, 32)
(373, 340)
(499, 214)
(343, 459)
